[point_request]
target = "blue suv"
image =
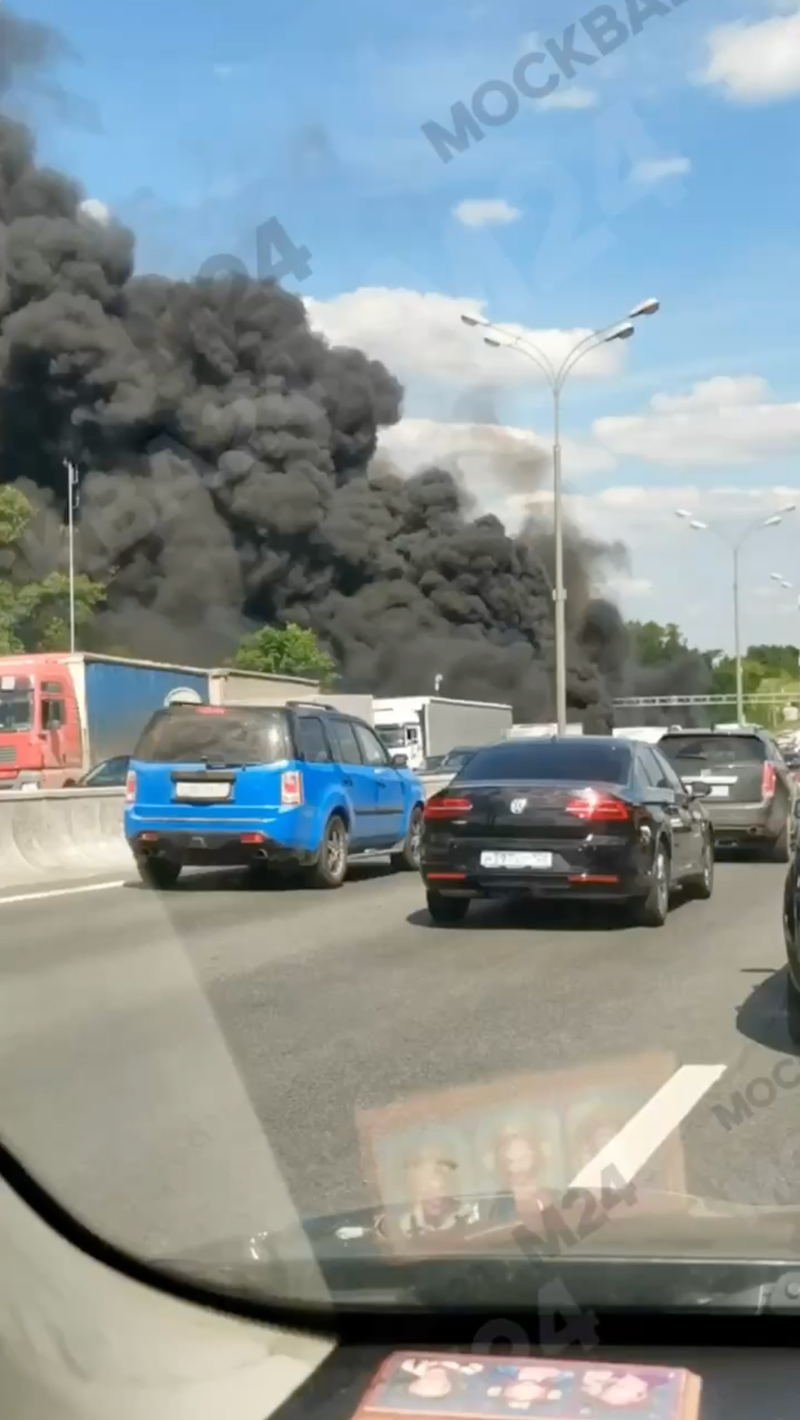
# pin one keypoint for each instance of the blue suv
(290, 788)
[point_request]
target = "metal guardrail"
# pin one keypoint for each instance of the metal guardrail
(641, 702)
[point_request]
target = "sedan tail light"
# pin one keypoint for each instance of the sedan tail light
(595, 807)
(447, 808)
(769, 781)
(130, 787)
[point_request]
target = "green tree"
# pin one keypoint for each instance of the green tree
(285, 650)
(776, 660)
(655, 645)
(34, 616)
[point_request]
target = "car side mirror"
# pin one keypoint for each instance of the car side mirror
(400, 761)
(698, 791)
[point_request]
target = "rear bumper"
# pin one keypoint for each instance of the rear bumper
(740, 824)
(221, 850)
(552, 889)
(610, 874)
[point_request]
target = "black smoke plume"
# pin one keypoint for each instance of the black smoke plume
(228, 475)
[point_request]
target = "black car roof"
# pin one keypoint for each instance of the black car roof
(559, 739)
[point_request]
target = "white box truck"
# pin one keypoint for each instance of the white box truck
(541, 731)
(423, 727)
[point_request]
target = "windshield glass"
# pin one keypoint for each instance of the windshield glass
(567, 760)
(229, 736)
(436, 362)
(456, 758)
(716, 749)
(16, 710)
(112, 771)
(393, 736)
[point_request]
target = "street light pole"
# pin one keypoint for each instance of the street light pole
(559, 591)
(556, 377)
(788, 586)
(735, 549)
(737, 639)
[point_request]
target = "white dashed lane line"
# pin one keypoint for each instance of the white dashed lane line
(60, 892)
(639, 1139)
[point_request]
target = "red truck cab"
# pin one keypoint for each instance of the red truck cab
(40, 727)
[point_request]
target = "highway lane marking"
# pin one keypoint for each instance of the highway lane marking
(60, 892)
(638, 1140)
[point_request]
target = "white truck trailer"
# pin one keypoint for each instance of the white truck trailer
(646, 734)
(424, 726)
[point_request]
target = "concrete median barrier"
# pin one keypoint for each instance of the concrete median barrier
(71, 833)
(62, 834)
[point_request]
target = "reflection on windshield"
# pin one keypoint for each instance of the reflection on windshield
(469, 1166)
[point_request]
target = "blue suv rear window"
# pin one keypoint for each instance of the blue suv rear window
(196, 734)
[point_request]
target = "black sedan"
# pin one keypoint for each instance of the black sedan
(593, 817)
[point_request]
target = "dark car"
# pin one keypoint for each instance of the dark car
(108, 774)
(751, 789)
(791, 934)
(450, 762)
(455, 759)
(589, 817)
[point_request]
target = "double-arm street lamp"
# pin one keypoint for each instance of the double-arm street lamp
(787, 586)
(556, 376)
(735, 546)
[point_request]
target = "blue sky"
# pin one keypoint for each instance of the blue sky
(198, 122)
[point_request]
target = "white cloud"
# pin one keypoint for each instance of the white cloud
(486, 212)
(630, 586)
(684, 575)
(648, 172)
(420, 335)
(644, 516)
(723, 421)
(493, 460)
(223, 71)
(758, 62)
(93, 208)
(572, 97)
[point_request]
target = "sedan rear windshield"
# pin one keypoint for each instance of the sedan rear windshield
(193, 735)
(573, 761)
(714, 749)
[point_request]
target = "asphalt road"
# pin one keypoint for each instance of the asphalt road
(177, 1067)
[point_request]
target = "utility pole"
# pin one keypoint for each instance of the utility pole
(737, 639)
(73, 497)
(559, 591)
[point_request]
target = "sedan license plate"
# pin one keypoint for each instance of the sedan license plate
(516, 860)
(208, 789)
(719, 791)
